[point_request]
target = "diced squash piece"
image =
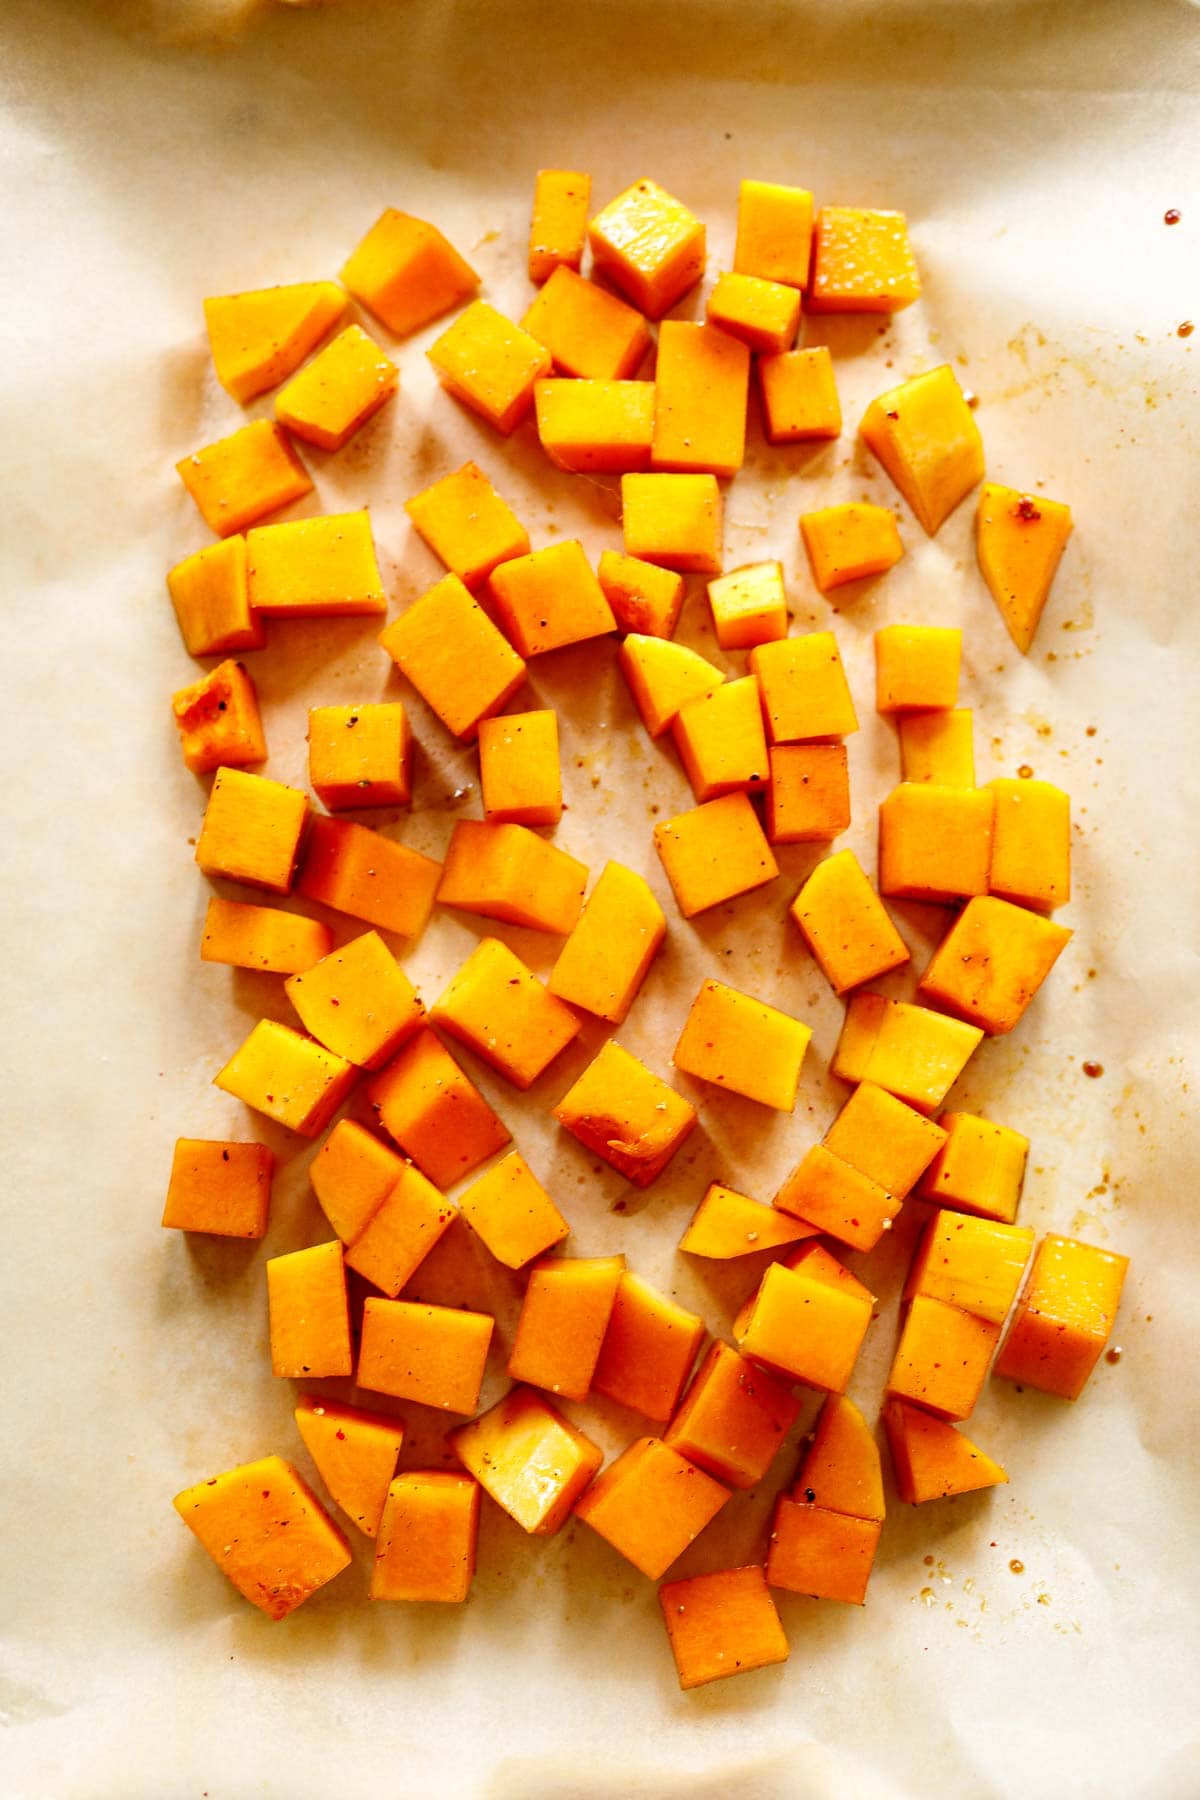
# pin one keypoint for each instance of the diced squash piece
(749, 606)
(596, 427)
(401, 1232)
(925, 435)
(832, 1196)
(1020, 539)
(220, 1188)
(462, 665)
(467, 525)
(650, 1344)
(728, 1224)
(550, 598)
(674, 520)
(938, 746)
(915, 1054)
(436, 1115)
(258, 338)
(884, 1138)
(588, 331)
(315, 568)
(288, 1077)
(714, 853)
(563, 1318)
(650, 1504)
(508, 1208)
(992, 962)
(979, 1169)
(355, 1453)
(427, 1537)
(608, 954)
(942, 1358)
(358, 871)
(406, 273)
(352, 1175)
(265, 1528)
(701, 384)
(862, 262)
(626, 1115)
(841, 1471)
(743, 1045)
(663, 677)
(531, 1461)
(343, 386)
(932, 1460)
(827, 1555)
(808, 795)
(973, 1263)
(507, 872)
(562, 199)
(432, 1354)
(650, 245)
(774, 232)
(807, 1320)
(498, 1008)
(916, 667)
(218, 720)
(850, 542)
(358, 1002)
(734, 1418)
(212, 602)
(935, 843)
(262, 937)
(845, 924)
(242, 477)
(310, 1315)
(799, 396)
(764, 315)
(721, 742)
(360, 755)
(490, 364)
(805, 693)
(518, 769)
(721, 1624)
(645, 599)
(1031, 844)
(1064, 1317)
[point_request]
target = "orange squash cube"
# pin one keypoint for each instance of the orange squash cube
(764, 315)
(401, 1232)
(931, 1460)
(352, 1175)
(721, 1624)
(935, 843)
(356, 870)
(832, 1196)
(645, 599)
(674, 520)
(1031, 844)
(649, 1346)
(714, 853)
(562, 199)
(432, 1354)
(827, 1555)
(462, 665)
(845, 924)
(490, 364)
(743, 1045)
(925, 435)
(807, 1320)
(841, 1471)
(774, 232)
(290, 1078)
(508, 1208)
(467, 525)
(549, 599)
(728, 1224)
(701, 385)
(749, 606)
(649, 245)
(721, 742)
(915, 1054)
(862, 262)
(808, 794)
(518, 769)
(805, 694)
(976, 1264)
(358, 1002)
(252, 830)
(884, 1138)
(360, 755)
(942, 1358)
(799, 396)
(588, 331)
(849, 543)
(355, 1453)
(1065, 1316)
(916, 667)
(427, 1537)
(531, 1461)
(938, 746)
(1019, 539)
(258, 338)
(212, 602)
(663, 677)
(564, 1315)
(218, 721)
(436, 1115)
(733, 1419)
(650, 1504)
(507, 872)
(406, 273)
(242, 477)
(980, 1168)
(498, 1008)
(265, 1528)
(310, 1315)
(596, 427)
(315, 568)
(623, 1113)
(220, 1188)
(608, 954)
(992, 962)
(343, 386)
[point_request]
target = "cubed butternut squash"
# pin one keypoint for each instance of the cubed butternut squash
(799, 396)
(589, 332)
(1019, 540)
(212, 601)
(650, 245)
(774, 232)
(650, 1504)
(831, 1196)
(562, 200)
(728, 1224)
(827, 1555)
(219, 722)
(862, 261)
(887, 1140)
(743, 1045)
(596, 427)
(721, 1624)
(941, 1361)
(288, 1077)
(549, 599)
(663, 677)
(938, 746)
(808, 793)
(220, 1188)
(427, 1537)
(266, 1530)
(650, 1344)
(807, 1320)
(437, 1116)
(916, 667)
(360, 756)
(507, 872)
(1065, 1316)
(460, 663)
(925, 435)
(431, 1354)
(980, 1168)
(467, 525)
(563, 1318)
(976, 1264)
(608, 953)
(508, 1208)
(645, 599)
(914, 1053)
(845, 924)
(252, 830)
(352, 1174)
(733, 1419)
(343, 386)
(749, 606)
(519, 769)
(401, 1232)
(992, 962)
(701, 385)
(675, 520)
(531, 1461)
(315, 568)
(259, 338)
(242, 477)
(850, 542)
(805, 694)
(490, 365)
(624, 1113)
(358, 1002)
(714, 853)
(935, 843)
(764, 315)
(1031, 844)
(841, 1471)
(309, 1312)
(406, 273)
(355, 1453)
(931, 1460)
(358, 871)
(498, 1008)
(721, 742)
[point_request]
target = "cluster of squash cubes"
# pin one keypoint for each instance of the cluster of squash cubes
(765, 755)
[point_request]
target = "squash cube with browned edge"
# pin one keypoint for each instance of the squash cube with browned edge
(462, 665)
(315, 568)
(591, 334)
(884, 1138)
(799, 396)
(411, 1218)
(490, 364)
(862, 262)
(356, 870)
(743, 1045)
(663, 677)
(645, 600)
(1031, 844)
(596, 427)
(531, 1461)
(701, 386)
(938, 746)
(914, 1053)
(436, 1115)
(252, 830)
(808, 795)
(352, 1175)
(288, 1077)
(242, 477)
(805, 694)
(650, 1344)
(650, 1504)
(1019, 539)
(774, 232)
(941, 1361)
(564, 1315)
(925, 435)
(976, 1264)
(310, 1314)
(431, 1354)
(850, 542)
(265, 1528)
(562, 199)
(841, 1471)
(509, 1209)
(674, 520)
(549, 599)
(649, 245)
(733, 1419)
(728, 1224)
(467, 525)
(498, 1008)
(764, 315)
(721, 742)
(931, 1460)
(218, 721)
(845, 924)
(721, 1624)
(714, 853)
(979, 1169)
(355, 1453)
(807, 1320)
(259, 338)
(358, 1002)
(935, 843)
(507, 872)
(610, 949)
(625, 1114)
(211, 599)
(749, 606)
(427, 1537)
(519, 770)
(833, 1197)
(220, 1188)
(406, 273)
(992, 962)
(916, 667)
(1064, 1317)
(360, 755)
(343, 386)
(827, 1555)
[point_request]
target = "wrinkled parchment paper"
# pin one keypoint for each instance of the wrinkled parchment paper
(1039, 1640)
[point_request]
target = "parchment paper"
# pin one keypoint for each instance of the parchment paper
(146, 164)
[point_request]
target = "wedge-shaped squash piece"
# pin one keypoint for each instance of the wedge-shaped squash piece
(315, 568)
(714, 853)
(916, 667)
(432, 1354)
(728, 1224)
(992, 962)
(490, 364)
(862, 262)
(352, 1174)
(980, 1168)
(1065, 1316)
(212, 602)
(342, 387)
(805, 694)
(644, 598)
(650, 1344)
(973, 1263)
(765, 315)
(218, 720)
(355, 1453)
(498, 1008)
(465, 522)
(360, 756)
(807, 1320)
(596, 427)
(833, 1197)
(624, 1113)
(519, 769)
(663, 677)
(562, 199)
(887, 1140)
(221, 1188)
(406, 273)
(841, 1472)
(845, 924)
(507, 872)
(252, 830)
(531, 1461)
(721, 742)
(650, 1504)
(436, 1115)
(935, 843)
(721, 1624)
(925, 435)
(1020, 539)
(675, 520)
(743, 1045)
(310, 1315)
(358, 871)
(462, 665)
(1031, 844)
(774, 232)
(701, 386)
(942, 1359)
(931, 1460)
(564, 1315)
(258, 338)
(427, 1537)
(914, 1053)
(508, 1207)
(401, 1232)
(799, 396)
(827, 1555)
(243, 477)
(610, 949)
(358, 1002)
(265, 1528)
(734, 1418)
(808, 798)
(650, 245)
(288, 1077)
(749, 606)
(850, 542)
(938, 746)
(549, 599)
(589, 332)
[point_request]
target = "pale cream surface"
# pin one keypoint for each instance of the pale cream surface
(1035, 150)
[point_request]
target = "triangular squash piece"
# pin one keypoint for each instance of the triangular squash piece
(663, 676)
(259, 338)
(1020, 539)
(841, 1470)
(931, 1459)
(355, 1453)
(727, 1224)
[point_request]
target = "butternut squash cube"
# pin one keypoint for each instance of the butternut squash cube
(1019, 540)
(845, 924)
(360, 755)
(674, 520)
(884, 1138)
(467, 525)
(733, 1420)
(701, 385)
(518, 769)
(992, 962)
(721, 1624)
(436, 1115)
(650, 1344)
(498, 1008)
(808, 795)
(1065, 1316)
(749, 606)
(596, 427)
(549, 599)
(290, 1078)
(218, 720)
(728, 1224)
(531, 1461)
(805, 694)
(714, 853)
(626, 1115)
(462, 665)
(743, 1045)
(849, 543)
(265, 1528)
(562, 199)
(931, 1460)
(938, 746)
(916, 666)
(828, 1555)
(358, 871)
(343, 386)
(211, 600)
(976, 1264)
(258, 338)
(764, 315)
(401, 1232)
(832, 1196)
(352, 1175)
(925, 435)
(942, 1358)
(242, 477)
(774, 232)
(663, 677)
(427, 1537)
(310, 1315)
(220, 1188)
(588, 331)
(650, 1504)
(432, 1354)
(645, 599)
(608, 954)
(507, 872)
(508, 1208)
(355, 1453)
(262, 937)
(649, 245)
(807, 1320)
(315, 568)
(406, 273)
(358, 1002)
(721, 742)
(563, 1318)
(979, 1169)
(1031, 844)
(935, 843)
(490, 364)
(799, 396)
(915, 1054)
(862, 262)
(841, 1471)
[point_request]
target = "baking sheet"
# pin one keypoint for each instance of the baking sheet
(153, 155)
